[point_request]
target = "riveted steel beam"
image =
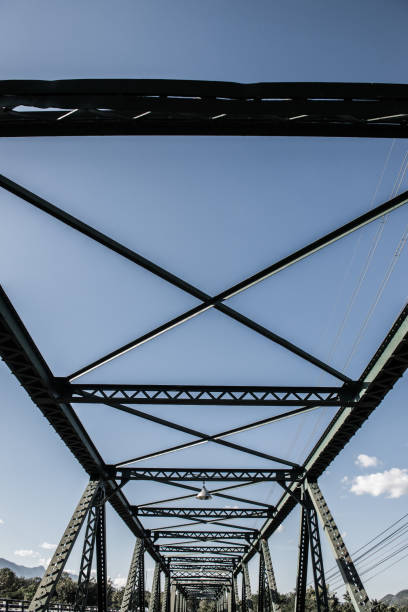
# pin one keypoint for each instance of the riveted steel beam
(211, 474)
(211, 550)
(207, 535)
(206, 395)
(92, 107)
(222, 513)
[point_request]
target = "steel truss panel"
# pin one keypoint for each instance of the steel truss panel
(222, 513)
(384, 370)
(206, 395)
(159, 106)
(206, 535)
(25, 361)
(227, 474)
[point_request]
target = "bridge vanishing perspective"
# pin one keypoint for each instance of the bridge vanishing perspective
(202, 562)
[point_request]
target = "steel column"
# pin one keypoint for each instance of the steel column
(173, 596)
(46, 588)
(154, 604)
(166, 594)
(263, 599)
(302, 562)
(270, 575)
(247, 590)
(87, 554)
(101, 569)
(133, 596)
(344, 561)
(322, 603)
(235, 590)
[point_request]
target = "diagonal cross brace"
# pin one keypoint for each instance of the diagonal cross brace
(207, 301)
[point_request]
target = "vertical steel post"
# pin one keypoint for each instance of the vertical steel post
(87, 553)
(235, 589)
(154, 600)
(173, 595)
(166, 594)
(355, 588)
(247, 582)
(133, 596)
(46, 588)
(322, 603)
(101, 569)
(261, 585)
(302, 562)
(270, 575)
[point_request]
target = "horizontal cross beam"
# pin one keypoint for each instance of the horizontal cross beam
(200, 574)
(222, 513)
(207, 395)
(197, 549)
(227, 474)
(180, 107)
(203, 560)
(206, 535)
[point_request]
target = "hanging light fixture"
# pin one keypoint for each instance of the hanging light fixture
(203, 494)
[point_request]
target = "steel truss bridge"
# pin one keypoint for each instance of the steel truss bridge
(202, 562)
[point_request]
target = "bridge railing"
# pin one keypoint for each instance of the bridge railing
(19, 605)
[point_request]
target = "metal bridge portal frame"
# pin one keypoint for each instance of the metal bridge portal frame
(205, 564)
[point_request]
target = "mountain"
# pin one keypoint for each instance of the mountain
(400, 599)
(21, 570)
(28, 572)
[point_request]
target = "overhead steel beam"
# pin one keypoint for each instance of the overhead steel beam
(217, 560)
(95, 107)
(385, 368)
(207, 395)
(25, 361)
(222, 513)
(207, 535)
(198, 549)
(212, 474)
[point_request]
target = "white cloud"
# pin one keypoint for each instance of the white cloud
(48, 546)
(119, 581)
(393, 483)
(280, 529)
(366, 461)
(44, 562)
(345, 479)
(1, 522)
(25, 553)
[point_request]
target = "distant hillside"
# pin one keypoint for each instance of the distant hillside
(399, 600)
(21, 570)
(28, 572)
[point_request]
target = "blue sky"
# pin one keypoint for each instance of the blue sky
(212, 211)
